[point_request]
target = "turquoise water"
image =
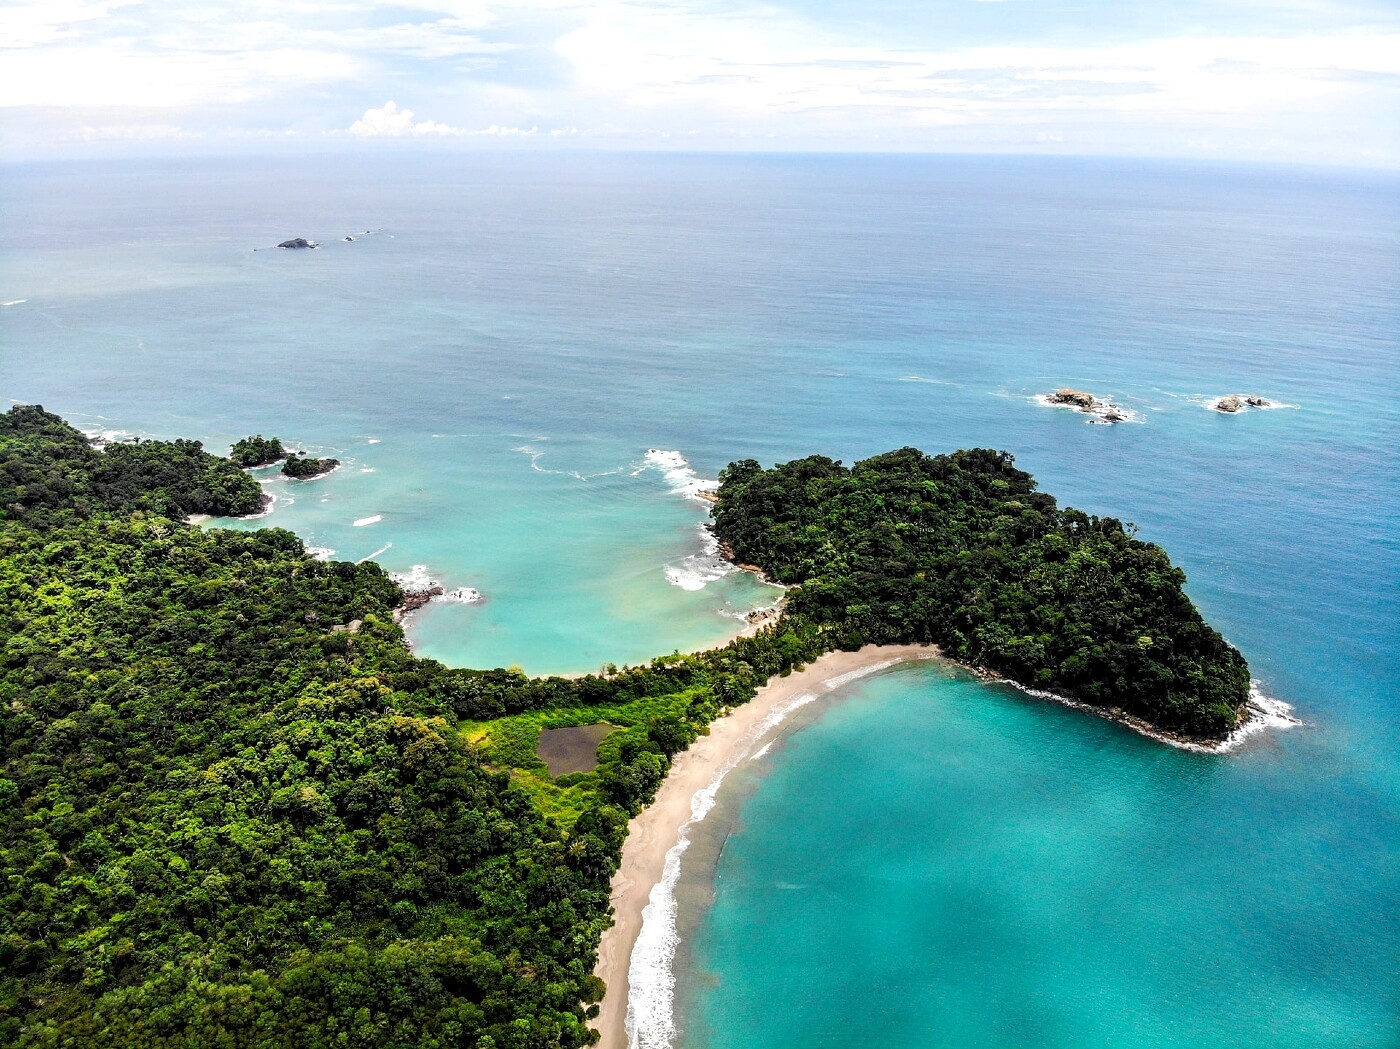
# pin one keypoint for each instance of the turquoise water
(934, 862)
(518, 331)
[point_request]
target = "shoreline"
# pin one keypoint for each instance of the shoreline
(656, 831)
(657, 834)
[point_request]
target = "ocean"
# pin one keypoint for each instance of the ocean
(526, 363)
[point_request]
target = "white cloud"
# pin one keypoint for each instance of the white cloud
(389, 121)
(118, 75)
(30, 23)
(716, 72)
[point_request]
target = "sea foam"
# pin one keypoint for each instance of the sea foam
(678, 473)
(372, 519)
(536, 455)
(1265, 712)
(1262, 712)
(698, 570)
(651, 977)
(418, 579)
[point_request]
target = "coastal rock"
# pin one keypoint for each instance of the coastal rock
(297, 242)
(1102, 412)
(1236, 402)
(761, 617)
(416, 599)
(419, 588)
(1074, 398)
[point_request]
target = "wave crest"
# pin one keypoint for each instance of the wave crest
(679, 474)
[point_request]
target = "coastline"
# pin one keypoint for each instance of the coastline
(653, 833)
(658, 832)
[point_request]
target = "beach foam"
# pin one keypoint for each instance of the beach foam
(651, 977)
(855, 675)
(372, 519)
(320, 553)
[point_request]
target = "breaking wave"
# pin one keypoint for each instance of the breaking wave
(700, 569)
(678, 473)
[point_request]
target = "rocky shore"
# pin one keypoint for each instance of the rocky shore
(419, 589)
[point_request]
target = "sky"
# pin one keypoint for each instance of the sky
(1294, 81)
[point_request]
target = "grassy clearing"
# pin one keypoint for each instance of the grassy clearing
(512, 743)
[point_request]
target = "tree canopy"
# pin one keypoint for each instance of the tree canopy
(963, 551)
(235, 810)
(257, 451)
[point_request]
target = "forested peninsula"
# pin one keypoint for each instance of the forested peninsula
(227, 819)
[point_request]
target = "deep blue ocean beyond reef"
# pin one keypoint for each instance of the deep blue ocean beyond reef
(930, 861)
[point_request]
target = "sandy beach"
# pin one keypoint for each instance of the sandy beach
(652, 834)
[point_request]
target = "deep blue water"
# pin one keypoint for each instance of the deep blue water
(519, 331)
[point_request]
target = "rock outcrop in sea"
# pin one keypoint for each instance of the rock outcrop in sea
(1237, 402)
(1102, 411)
(419, 588)
(297, 242)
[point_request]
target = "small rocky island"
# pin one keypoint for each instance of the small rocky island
(1102, 411)
(297, 242)
(305, 467)
(1237, 402)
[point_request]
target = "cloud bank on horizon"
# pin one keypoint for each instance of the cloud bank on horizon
(1297, 80)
